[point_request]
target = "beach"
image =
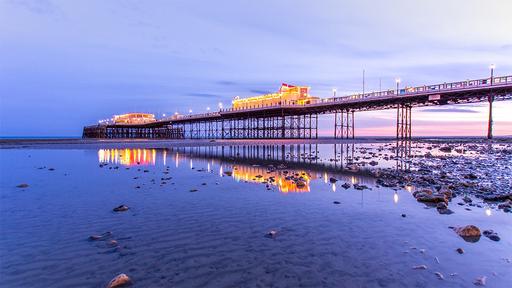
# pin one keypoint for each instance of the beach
(241, 213)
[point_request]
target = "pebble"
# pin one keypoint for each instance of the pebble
(22, 185)
(460, 250)
(336, 202)
(119, 281)
(468, 231)
(480, 281)
(271, 234)
(403, 215)
(419, 267)
(193, 190)
(439, 275)
(121, 208)
(100, 237)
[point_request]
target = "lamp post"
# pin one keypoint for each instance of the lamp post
(333, 92)
(220, 105)
(492, 66)
(490, 98)
(397, 80)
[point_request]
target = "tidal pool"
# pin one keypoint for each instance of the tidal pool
(198, 217)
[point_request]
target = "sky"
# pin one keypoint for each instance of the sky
(67, 64)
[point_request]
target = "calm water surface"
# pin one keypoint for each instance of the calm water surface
(215, 236)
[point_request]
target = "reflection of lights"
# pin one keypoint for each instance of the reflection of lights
(333, 187)
(208, 168)
(127, 156)
(325, 177)
(164, 157)
(395, 197)
(409, 188)
(221, 171)
(177, 159)
(191, 164)
(488, 211)
(353, 180)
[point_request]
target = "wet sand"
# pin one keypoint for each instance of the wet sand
(198, 216)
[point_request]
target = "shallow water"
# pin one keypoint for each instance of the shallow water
(215, 236)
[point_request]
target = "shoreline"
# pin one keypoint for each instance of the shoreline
(74, 143)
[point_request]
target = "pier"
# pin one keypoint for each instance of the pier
(298, 119)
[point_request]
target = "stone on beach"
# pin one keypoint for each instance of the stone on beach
(419, 267)
(480, 281)
(22, 185)
(460, 250)
(100, 237)
(120, 280)
(271, 234)
(439, 275)
(333, 180)
(121, 208)
(469, 233)
(491, 235)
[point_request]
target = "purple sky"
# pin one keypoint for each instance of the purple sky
(66, 64)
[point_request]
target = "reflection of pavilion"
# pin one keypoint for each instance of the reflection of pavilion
(127, 157)
(280, 178)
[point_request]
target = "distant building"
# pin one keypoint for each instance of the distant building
(287, 95)
(134, 118)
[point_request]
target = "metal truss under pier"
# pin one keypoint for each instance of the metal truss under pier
(344, 124)
(274, 127)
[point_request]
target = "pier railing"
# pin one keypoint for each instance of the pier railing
(407, 91)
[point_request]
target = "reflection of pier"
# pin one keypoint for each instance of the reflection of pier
(294, 156)
(403, 154)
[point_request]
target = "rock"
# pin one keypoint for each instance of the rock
(445, 211)
(446, 149)
(346, 185)
(300, 184)
(100, 237)
(403, 215)
(441, 205)
(271, 234)
(460, 250)
(373, 163)
(419, 267)
(467, 199)
(439, 275)
(119, 281)
(494, 237)
(333, 180)
(480, 281)
(470, 176)
(228, 173)
(193, 190)
(469, 233)
(22, 185)
(336, 202)
(121, 208)
(497, 197)
(491, 235)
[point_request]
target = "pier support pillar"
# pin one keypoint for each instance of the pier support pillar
(344, 124)
(403, 121)
(489, 123)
